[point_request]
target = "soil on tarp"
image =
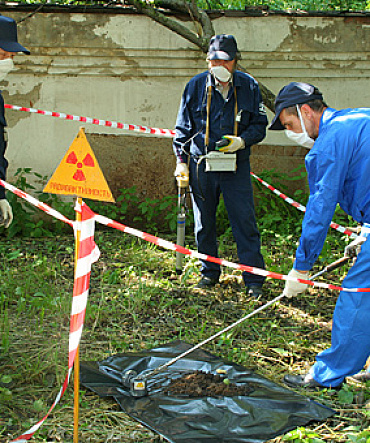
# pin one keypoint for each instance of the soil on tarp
(205, 384)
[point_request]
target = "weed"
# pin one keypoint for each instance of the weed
(23, 223)
(362, 437)
(4, 323)
(346, 395)
(302, 435)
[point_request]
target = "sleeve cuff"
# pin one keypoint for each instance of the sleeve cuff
(301, 266)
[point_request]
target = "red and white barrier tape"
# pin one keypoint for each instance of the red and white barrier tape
(173, 247)
(163, 133)
(28, 434)
(96, 121)
(43, 206)
(301, 207)
(88, 253)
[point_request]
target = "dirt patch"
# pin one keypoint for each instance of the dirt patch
(205, 384)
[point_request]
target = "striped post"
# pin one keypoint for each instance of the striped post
(88, 253)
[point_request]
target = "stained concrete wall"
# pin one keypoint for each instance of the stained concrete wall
(120, 66)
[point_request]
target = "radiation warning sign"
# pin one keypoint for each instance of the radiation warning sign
(79, 173)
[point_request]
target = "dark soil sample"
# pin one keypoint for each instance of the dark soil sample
(205, 384)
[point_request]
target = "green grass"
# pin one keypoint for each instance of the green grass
(137, 302)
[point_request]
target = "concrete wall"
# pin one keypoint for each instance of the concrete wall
(120, 66)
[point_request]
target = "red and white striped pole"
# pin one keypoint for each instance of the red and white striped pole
(76, 364)
(88, 253)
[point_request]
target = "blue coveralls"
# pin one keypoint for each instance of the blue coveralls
(236, 187)
(338, 169)
(3, 161)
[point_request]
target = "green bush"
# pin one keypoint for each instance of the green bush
(151, 215)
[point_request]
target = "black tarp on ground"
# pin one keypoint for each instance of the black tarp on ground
(270, 410)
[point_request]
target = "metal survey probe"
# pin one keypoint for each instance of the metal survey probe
(181, 219)
(337, 264)
(137, 383)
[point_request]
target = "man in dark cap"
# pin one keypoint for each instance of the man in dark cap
(9, 47)
(221, 115)
(338, 167)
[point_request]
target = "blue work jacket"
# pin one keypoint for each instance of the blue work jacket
(3, 161)
(338, 168)
(192, 115)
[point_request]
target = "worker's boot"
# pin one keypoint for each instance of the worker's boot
(305, 381)
(254, 290)
(206, 283)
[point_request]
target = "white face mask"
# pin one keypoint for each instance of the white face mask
(6, 66)
(220, 73)
(301, 138)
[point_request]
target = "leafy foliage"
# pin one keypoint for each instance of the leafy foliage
(24, 222)
(154, 215)
(304, 5)
(279, 5)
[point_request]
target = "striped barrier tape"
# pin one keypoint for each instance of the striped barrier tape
(43, 206)
(88, 253)
(173, 247)
(301, 207)
(96, 121)
(28, 434)
(163, 133)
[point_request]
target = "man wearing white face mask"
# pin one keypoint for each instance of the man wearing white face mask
(221, 104)
(338, 167)
(9, 46)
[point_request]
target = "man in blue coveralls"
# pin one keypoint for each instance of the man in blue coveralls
(338, 167)
(9, 46)
(221, 105)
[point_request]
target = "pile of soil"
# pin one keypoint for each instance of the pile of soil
(205, 384)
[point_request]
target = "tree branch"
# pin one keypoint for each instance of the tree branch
(201, 41)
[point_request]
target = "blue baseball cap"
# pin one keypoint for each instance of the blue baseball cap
(296, 93)
(8, 36)
(223, 47)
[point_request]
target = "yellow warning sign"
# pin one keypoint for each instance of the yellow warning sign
(79, 173)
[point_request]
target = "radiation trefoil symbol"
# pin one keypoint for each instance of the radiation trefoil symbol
(87, 161)
(79, 174)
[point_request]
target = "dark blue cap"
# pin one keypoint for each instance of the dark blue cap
(223, 47)
(8, 36)
(296, 93)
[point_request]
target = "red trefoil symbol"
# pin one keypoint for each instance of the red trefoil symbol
(87, 161)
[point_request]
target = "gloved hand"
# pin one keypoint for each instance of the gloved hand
(235, 143)
(182, 175)
(6, 213)
(354, 248)
(293, 288)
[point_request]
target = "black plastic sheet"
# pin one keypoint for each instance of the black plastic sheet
(269, 411)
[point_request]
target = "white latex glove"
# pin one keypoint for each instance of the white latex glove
(293, 288)
(6, 213)
(182, 175)
(354, 248)
(235, 143)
